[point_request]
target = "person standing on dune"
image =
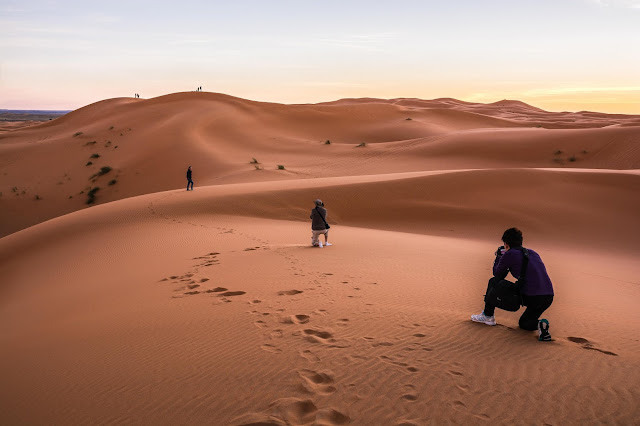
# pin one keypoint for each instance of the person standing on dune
(189, 180)
(536, 290)
(319, 225)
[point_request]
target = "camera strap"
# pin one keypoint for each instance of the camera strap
(322, 217)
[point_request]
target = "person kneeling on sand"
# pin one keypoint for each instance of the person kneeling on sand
(536, 290)
(319, 225)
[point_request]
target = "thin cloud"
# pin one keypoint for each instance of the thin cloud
(580, 90)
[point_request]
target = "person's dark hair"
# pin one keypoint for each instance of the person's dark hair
(513, 237)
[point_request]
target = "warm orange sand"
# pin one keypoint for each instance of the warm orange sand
(210, 307)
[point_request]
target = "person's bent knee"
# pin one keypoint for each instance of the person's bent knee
(528, 324)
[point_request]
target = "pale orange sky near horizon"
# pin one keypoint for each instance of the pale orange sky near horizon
(567, 55)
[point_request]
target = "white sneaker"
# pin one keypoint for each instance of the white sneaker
(484, 318)
(327, 244)
(320, 244)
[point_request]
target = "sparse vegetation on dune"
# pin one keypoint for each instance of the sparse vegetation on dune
(95, 156)
(363, 144)
(91, 195)
(254, 161)
(77, 134)
(103, 171)
(281, 167)
(112, 182)
(327, 142)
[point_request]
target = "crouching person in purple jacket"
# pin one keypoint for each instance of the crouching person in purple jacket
(536, 291)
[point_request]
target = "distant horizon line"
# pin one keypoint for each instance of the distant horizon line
(17, 110)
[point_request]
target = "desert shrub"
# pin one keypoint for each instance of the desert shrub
(363, 144)
(103, 171)
(111, 128)
(70, 196)
(95, 156)
(327, 142)
(558, 152)
(112, 182)
(77, 134)
(115, 147)
(254, 161)
(37, 197)
(90, 143)
(408, 118)
(281, 167)
(258, 167)
(584, 151)
(91, 195)
(89, 163)
(572, 158)
(14, 189)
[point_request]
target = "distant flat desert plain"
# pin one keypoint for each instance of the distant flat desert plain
(126, 299)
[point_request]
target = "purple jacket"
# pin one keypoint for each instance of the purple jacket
(537, 283)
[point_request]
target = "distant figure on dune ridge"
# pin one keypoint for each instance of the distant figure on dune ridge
(189, 180)
(534, 285)
(319, 225)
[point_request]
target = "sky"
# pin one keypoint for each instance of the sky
(560, 55)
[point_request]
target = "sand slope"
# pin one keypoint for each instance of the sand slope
(162, 306)
(48, 169)
(147, 313)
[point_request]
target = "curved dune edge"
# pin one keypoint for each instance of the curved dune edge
(136, 311)
(47, 170)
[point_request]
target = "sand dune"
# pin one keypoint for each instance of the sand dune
(158, 305)
(48, 169)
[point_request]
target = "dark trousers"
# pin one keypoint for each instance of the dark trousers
(189, 182)
(536, 305)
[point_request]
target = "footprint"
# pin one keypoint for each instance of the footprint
(232, 293)
(300, 319)
(419, 335)
(329, 416)
(271, 348)
(204, 280)
(586, 344)
(455, 373)
(310, 356)
(375, 345)
(318, 336)
(317, 382)
(410, 397)
(217, 290)
(260, 324)
(192, 292)
(289, 292)
(192, 286)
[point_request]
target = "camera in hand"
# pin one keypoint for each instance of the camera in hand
(500, 251)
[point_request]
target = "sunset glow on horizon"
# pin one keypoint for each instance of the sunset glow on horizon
(568, 55)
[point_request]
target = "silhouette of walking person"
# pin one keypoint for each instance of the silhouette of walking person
(189, 180)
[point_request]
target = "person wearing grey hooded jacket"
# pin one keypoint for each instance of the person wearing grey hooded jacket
(319, 225)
